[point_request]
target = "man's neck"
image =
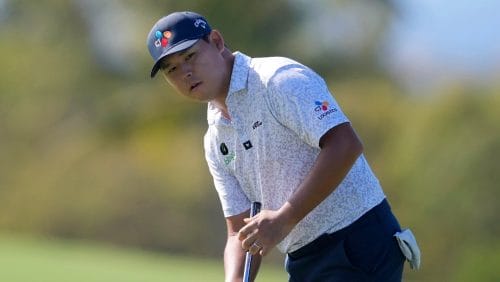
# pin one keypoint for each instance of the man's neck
(222, 107)
(221, 103)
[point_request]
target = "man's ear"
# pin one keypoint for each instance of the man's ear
(216, 38)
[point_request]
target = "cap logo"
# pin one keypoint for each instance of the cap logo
(162, 38)
(200, 23)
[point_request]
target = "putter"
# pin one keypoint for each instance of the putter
(254, 209)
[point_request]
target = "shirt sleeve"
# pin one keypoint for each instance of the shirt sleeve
(232, 198)
(300, 100)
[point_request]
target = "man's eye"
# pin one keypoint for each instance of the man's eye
(189, 56)
(171, 70)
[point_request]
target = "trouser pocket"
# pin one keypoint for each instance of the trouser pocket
(328, 265)
(368, 243)
(365, 250)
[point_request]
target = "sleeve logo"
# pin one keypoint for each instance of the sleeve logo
(322, 107)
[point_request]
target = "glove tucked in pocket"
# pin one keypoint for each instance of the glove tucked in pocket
(408, 245)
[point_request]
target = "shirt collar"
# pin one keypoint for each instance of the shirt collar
(239, 80)
(239, 75)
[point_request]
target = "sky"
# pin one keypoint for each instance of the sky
(440, 41)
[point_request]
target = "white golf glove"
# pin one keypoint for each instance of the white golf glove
(409, 247)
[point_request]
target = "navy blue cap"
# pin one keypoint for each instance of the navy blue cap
(173, 33)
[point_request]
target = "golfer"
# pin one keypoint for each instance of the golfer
(276, 135)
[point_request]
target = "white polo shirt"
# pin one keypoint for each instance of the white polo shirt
(279, 111)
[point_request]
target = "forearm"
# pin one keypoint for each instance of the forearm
(234, 261)
(336, 158)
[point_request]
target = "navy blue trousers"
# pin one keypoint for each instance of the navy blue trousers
(363, 251)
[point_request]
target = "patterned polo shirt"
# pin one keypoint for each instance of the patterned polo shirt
(279, 111)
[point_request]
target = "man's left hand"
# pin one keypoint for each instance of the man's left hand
(264, 231)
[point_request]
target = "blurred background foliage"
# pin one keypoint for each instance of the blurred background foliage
(91, 148)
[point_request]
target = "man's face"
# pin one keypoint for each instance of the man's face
(199, 72)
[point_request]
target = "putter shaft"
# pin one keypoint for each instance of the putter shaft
(254, 209)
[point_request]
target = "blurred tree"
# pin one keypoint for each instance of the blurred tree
(341, 38)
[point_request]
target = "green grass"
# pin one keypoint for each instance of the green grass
(25, 259)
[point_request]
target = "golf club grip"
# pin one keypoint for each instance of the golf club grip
(254, 209)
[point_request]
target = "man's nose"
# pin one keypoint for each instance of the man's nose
(187, 70)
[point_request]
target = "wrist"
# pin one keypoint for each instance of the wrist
(289, 215)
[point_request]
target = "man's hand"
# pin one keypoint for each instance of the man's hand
(234, 255)
(264, 231)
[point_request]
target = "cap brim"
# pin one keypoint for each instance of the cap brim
(173, 49)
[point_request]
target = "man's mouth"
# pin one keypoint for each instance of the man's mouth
(194, 86)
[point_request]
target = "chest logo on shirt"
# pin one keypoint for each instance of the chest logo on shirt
(228, 157)
(223, 149)
(256, 124)
(322, 108)
(248, 145)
